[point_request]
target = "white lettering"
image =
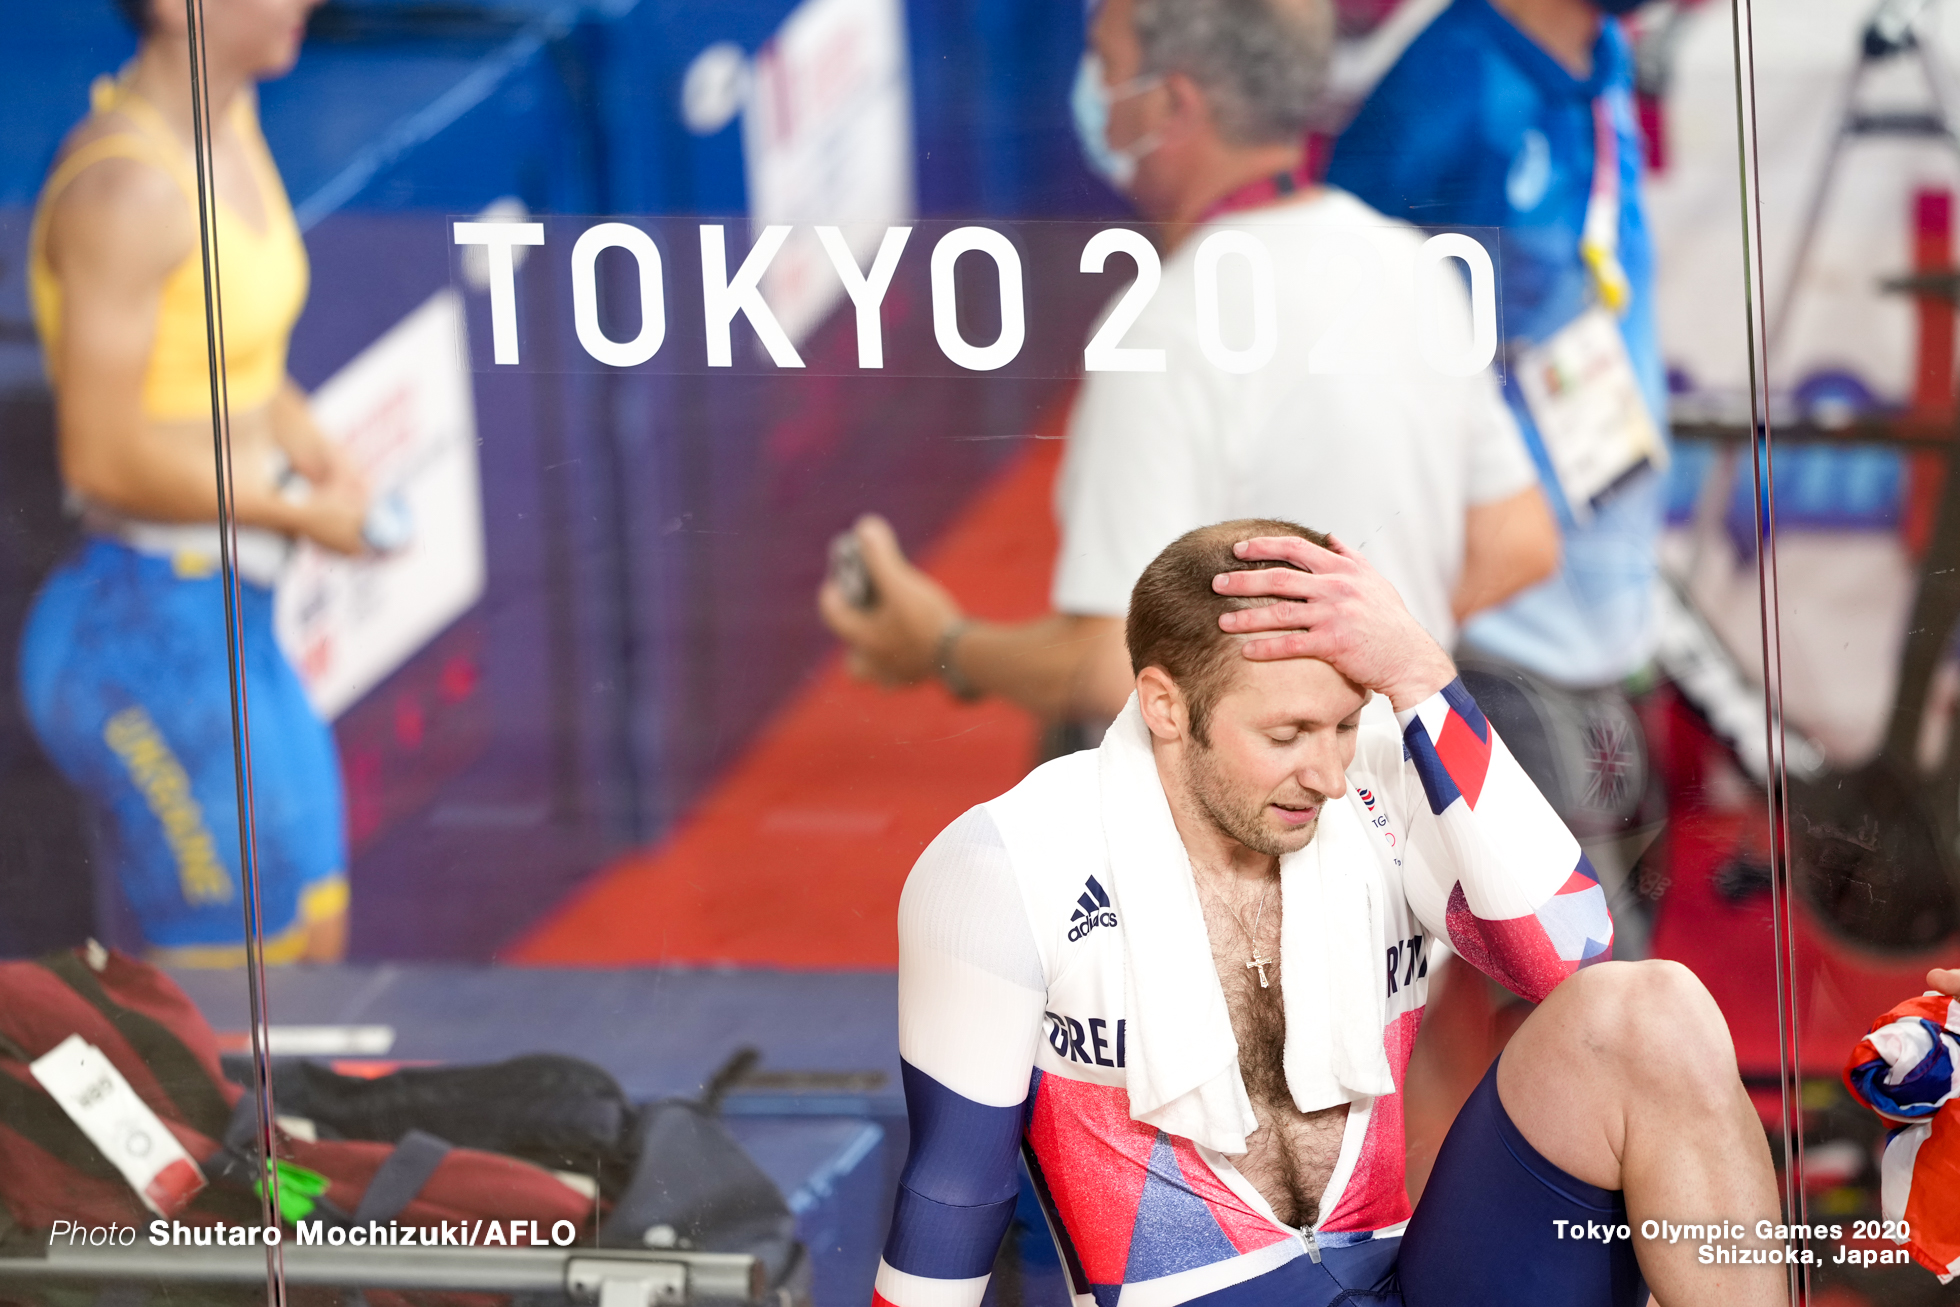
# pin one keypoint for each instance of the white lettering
(585, 295)
(1433, 311)
(945, 299)
(1265, 304)
(497, 238)
(94, 1236)
(722, 299)
(1105, 351)
(867, 290)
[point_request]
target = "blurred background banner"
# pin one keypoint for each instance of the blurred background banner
(826, 137)
(403, 409)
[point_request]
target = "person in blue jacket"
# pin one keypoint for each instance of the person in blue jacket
(1518, 115)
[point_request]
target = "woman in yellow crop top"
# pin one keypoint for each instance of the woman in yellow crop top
(124, 661)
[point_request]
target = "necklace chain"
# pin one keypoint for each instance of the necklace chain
(1252, 936)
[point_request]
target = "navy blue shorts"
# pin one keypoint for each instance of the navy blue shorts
(1482, 1236)
(1484, 1233)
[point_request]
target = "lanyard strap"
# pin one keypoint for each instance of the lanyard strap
(1257, 195)
(1599, 243)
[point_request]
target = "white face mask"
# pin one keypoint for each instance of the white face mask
(1090, 102)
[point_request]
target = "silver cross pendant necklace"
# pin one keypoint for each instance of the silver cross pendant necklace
(1252, 937)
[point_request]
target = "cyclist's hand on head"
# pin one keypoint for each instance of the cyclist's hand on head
(1335, 607)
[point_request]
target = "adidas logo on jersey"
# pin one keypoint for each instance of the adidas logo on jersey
(1092, 910)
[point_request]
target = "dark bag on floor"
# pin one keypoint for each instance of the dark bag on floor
(671, 1172)
(559, 1112)
(673, 1175)
(695, 1188)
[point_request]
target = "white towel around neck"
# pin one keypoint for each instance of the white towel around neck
(1183, 1058)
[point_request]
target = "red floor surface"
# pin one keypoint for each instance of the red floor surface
(796, 857)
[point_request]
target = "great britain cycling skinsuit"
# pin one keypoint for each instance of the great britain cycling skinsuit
(1018, 1025)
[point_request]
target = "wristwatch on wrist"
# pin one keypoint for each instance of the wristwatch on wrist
(942, 659)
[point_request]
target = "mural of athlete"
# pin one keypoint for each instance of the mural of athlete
(1207, 1083)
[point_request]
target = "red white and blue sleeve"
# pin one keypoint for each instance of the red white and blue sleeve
(1490, 866)
(971, 991)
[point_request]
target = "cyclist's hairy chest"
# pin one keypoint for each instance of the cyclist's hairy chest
(1291, 1156)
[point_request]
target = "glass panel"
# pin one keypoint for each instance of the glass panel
(131, 1165)
(616, 320)
(1857, 176)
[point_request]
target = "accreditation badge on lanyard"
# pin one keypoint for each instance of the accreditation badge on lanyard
(1579, 384)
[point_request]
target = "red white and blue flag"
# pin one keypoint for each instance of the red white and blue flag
(1904, 1070)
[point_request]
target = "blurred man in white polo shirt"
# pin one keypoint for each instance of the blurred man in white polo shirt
(1196, 109)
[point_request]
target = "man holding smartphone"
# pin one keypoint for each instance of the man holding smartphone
(1196, 110)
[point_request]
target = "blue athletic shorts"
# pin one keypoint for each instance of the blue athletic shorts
(1482, 1236)
(124, 676)
(1484, 1231)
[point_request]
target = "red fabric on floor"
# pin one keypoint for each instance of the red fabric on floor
(796, 857)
